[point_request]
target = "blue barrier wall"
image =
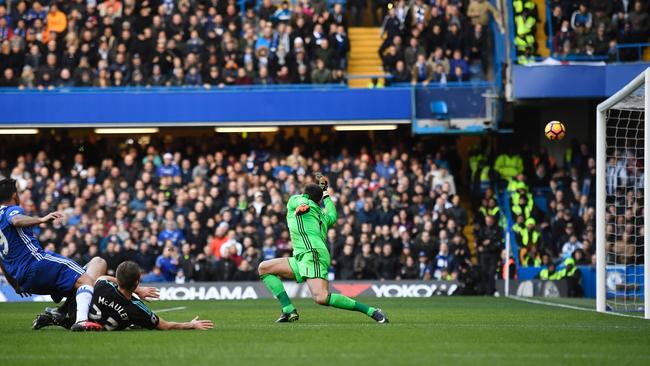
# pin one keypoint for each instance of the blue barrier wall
(198, 106)
(299, 105)
(572, 81)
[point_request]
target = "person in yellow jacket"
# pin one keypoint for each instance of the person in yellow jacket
(56, 20)
(519, 182)
(523, 206)
(489, 208)
(519, 225)
(527, 239)
(509, 165)
(531, 257)
(519, 6)
(551, 273)
(573, 277)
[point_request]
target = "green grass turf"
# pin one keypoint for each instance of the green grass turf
(439, 330)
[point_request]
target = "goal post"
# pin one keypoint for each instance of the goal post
(622, 230)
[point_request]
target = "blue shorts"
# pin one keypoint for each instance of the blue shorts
(53, 275)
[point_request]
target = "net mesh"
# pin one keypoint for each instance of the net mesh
(624, 203)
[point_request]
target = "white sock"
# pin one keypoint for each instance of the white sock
(84, 297)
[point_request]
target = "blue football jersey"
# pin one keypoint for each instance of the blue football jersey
(18, 246)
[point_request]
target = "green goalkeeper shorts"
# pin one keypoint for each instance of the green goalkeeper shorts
(314, 263)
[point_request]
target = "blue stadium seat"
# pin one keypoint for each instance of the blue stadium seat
(439, 109)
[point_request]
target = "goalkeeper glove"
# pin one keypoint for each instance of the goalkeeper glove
(322, 181)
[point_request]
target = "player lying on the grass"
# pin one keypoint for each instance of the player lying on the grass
(308, 226)
(115, 306)
(31, 270)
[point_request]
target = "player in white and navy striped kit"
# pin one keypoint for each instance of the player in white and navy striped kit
(31, 270)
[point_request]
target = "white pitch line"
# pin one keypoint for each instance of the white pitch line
(564, 306)
(170, 309)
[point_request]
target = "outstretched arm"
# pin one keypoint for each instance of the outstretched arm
(26, 221)
(195, 323)
(330, 211)
(330, 208)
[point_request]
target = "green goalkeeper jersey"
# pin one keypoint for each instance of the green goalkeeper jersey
(309, 230)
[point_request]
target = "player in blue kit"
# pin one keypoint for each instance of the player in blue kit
(31, 270)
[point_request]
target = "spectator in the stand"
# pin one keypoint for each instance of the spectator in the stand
(488, 243)
(345, 264)
(171, 233)
(401, 74)
(321, 74)
(409, 269)
(412, 51)
(479, 10)
(425, 270)
(168, 168)
(639, 20)
(167, 263)
(145, 258)
(444, 261)
(581, 17)
(438, 58)
(458, 61)
(454, 39)
(388, 265)
(570, 246)
(365, 263)
(422, 71)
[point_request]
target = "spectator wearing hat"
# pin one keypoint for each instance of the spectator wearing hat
(168, 167)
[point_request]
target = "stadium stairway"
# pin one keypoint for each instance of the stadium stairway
(468, 230)
(364, 57)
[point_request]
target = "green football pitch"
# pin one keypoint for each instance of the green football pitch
(438, 330)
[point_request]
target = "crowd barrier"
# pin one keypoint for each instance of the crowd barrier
(279, 105)
(573, 81)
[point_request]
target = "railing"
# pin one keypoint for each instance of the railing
(242, 5)
(239, 88)
(451, 84)
(503, 200)
(176, 89)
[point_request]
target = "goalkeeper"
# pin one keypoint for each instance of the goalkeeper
(310, 263)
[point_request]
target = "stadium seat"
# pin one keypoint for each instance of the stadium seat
(439, 109)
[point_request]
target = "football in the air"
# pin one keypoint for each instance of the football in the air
(554, 130)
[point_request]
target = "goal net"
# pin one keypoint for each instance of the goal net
(621, 204)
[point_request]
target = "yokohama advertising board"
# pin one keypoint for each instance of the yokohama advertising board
(256, 290)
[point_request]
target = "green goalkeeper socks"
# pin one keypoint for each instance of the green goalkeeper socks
(274, 284)
(343, 302)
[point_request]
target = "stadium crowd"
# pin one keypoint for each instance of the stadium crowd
(551, 205)
(188, 212)
(437, 41)
(587, 29)
(46, 44)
